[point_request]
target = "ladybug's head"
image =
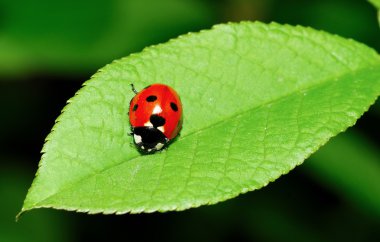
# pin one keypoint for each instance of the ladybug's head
(149, 139)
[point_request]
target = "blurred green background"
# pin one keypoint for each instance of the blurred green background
(49, 48)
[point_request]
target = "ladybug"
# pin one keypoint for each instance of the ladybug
(155, 114)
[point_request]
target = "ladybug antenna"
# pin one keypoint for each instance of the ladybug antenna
(133, 88)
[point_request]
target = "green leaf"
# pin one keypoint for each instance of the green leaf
(350, 165)
(258, 100)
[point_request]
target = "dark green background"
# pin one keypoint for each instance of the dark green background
(49, 48)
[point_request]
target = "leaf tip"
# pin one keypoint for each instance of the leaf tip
(22, 211)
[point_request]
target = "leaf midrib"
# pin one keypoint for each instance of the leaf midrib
(335, 78)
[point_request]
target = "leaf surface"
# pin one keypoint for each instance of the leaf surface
(258, 99)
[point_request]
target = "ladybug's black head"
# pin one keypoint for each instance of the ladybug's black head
(149, 139)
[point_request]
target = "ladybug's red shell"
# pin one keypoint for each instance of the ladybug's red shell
(157, 108)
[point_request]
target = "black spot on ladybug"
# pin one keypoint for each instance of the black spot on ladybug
(151, 98)
(135, 107)
(156, 120)
(174, 106)
(150, 137)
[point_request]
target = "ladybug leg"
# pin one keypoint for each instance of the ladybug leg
(133, 88)
(131, 143)
(130, 133)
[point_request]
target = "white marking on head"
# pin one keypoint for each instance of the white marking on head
(137, 138)
(157, 109)
(149, 150)
(159, 146)
(148, 124)
(161, 128)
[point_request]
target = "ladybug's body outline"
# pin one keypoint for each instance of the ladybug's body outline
(155, 115)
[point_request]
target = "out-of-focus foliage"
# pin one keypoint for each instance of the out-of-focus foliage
(350, 165)
(376, 3)
(43, 226)
(84, 35)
